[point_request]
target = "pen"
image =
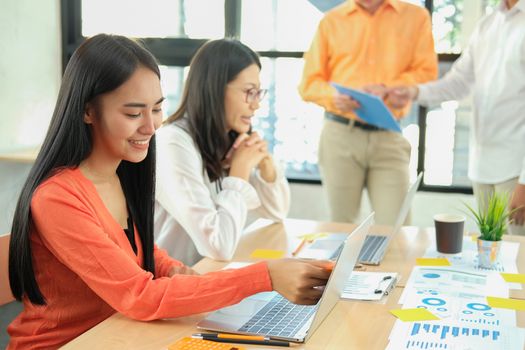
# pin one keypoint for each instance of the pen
(240, 339)
(299, 247)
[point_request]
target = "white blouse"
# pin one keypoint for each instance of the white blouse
(493, 68)
(193, 218)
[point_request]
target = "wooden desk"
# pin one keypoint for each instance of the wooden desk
(350, 325)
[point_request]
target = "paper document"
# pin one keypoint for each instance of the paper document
(369, 285)
(372, 110)
(468, 259)
(320, 246)
(451, 281)
(464, 307)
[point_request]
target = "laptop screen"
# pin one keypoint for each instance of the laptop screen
(407, 204)
(343, 269)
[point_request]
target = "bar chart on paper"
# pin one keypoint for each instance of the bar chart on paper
(454, 336)
(445, 331)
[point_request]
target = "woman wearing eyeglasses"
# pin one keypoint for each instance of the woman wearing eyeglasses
(212, 170)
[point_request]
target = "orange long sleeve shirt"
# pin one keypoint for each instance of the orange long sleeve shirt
(394, 46)
(87, 270)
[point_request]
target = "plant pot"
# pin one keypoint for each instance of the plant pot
(488, 253)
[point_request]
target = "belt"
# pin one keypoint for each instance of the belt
(346, 121)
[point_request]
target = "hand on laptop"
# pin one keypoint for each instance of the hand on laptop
(295, 279)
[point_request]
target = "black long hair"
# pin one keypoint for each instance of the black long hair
(214, 65)
(100, 65)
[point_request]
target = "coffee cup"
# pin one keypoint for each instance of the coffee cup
(449, 232)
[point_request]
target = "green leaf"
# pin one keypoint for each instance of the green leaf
(492, 218)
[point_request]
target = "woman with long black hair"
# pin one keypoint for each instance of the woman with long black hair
(212, 170)
(82, 237)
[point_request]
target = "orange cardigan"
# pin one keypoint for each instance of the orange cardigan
(87, 270)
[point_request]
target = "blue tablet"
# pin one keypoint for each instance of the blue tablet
(372, 110)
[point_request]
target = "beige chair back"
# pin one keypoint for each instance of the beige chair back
(5, 291)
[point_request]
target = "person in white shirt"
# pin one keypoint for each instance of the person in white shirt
(211, 169)
(493, 66)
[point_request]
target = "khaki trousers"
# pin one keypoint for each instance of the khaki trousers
(351, 159)
(482, 191)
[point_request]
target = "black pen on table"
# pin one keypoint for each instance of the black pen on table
(240, 339)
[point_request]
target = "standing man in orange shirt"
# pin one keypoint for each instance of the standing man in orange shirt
(368, 45)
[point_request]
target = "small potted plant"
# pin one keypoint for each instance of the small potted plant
(492, 220)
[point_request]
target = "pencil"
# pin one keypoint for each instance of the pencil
(299, 247)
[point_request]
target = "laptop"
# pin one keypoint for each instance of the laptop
(375, 246)
(271, 315)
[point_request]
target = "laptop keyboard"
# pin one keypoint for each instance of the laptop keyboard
(372, 246)
(279, 318)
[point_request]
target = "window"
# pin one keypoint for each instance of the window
(446, 142)
(167, 18)
(281, 31)
(290, 125)
(274, 25)
(172, 83)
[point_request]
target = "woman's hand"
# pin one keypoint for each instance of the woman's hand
(266, 166)
(267, 169)
(182, 270)
(298, 280)
(246, 153)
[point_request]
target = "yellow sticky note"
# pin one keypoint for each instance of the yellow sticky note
(267, 254)
(513, 277)
(313, 236)
(418, 314)
(504, 303)
(432, 262)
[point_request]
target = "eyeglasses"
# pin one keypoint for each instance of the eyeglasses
(255, 95)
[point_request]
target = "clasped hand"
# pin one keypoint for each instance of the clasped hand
(247, 152)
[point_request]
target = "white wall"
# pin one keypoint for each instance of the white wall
(30, 71)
